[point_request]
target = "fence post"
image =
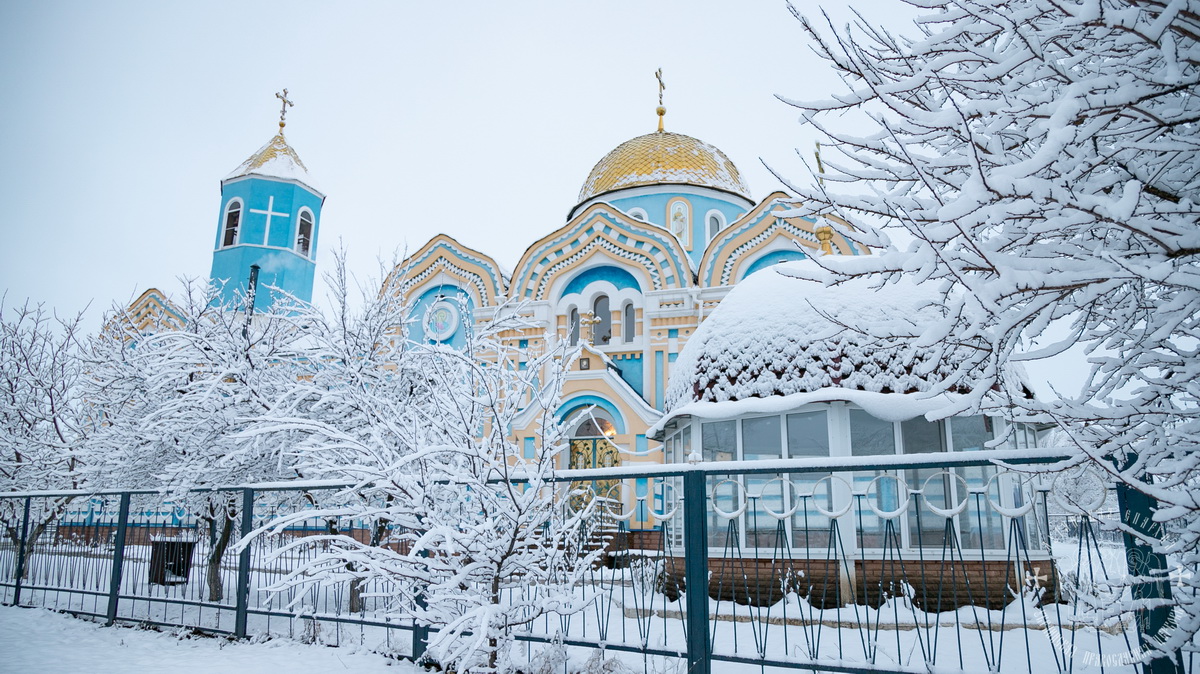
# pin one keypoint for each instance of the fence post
(695, 552)
(21, 553)
(243, 577)
(114, 585)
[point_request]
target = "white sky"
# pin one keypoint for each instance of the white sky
(481, 120)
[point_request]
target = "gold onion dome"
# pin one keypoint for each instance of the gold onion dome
(663, 157)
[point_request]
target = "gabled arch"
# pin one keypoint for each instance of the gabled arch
(454, 264)
(602, 230)
(761, 232)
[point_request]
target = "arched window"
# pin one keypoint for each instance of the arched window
(638, 214)
(573, 325)
(714, 225)
(233, 221)
(602, 330)
(628, 325)
(304, 233)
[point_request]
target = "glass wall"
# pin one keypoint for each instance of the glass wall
(787, 507)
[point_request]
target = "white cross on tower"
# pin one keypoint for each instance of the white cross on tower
(269, 212)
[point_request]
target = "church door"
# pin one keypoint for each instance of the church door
(591, 448)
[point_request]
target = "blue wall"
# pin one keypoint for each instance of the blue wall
(655, 206)
(773, 258)
(614, 275)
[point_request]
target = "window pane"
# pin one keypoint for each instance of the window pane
(760, 438)
(232, 220)
(870, 436)
(573, 320)
(719, 441)
(627, 323)
(808, 434)
(970, 434)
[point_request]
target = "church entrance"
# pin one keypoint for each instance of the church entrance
(591, 448)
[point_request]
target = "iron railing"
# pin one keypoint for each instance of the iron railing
(956, 562)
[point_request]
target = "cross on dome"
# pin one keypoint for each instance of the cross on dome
(661, 86)
(283, 106)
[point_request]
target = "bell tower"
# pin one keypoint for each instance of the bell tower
(270, 217)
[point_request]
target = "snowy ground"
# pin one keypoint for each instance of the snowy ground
(40, 641)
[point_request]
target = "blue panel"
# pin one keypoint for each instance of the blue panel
(641, 488)
(614, 275)
(773, 258)
(672, 333)
(588, 400)
(634, 373)
(658, 380)
(461, 299)
(528, 448)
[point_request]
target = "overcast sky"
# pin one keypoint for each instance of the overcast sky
(482, 120)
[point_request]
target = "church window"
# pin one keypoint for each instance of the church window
(304, 233)
(638, 214)
(602, 330)
(573, 325)
(233, 220)
(715, 224)
(628, 322)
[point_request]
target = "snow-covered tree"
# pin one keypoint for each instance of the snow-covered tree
(44, 421)
(461, 520)
(1044, 156)
(175, 397)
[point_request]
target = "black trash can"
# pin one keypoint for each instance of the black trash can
(170, 561)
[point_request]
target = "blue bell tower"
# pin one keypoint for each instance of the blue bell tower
(270, 216)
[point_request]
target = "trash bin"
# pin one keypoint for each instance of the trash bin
(170, 560)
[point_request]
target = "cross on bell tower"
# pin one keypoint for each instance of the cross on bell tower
(284, 104)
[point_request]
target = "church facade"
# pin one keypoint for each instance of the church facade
(663, 228)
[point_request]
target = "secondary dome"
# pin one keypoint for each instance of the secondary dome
(663, 157)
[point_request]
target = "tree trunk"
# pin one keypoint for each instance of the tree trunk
(216, 588)
(356, 584)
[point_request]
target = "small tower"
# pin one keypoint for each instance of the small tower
(270, 216)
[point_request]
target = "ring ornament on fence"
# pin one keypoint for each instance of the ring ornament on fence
(668, 497)
(740, 492)
(901, 488)
(783, 495)
(834, 514)
(609, 504)
(956, 508)
(1019, 511)
(1080, 492)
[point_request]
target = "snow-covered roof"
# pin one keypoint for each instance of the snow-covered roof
(276, 159)
(776, 334)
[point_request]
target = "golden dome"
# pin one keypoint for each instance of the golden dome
(663, 157)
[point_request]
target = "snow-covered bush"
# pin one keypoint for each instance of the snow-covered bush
(174, 398)
(468, 534)
(44, 422)
(1044, 156)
